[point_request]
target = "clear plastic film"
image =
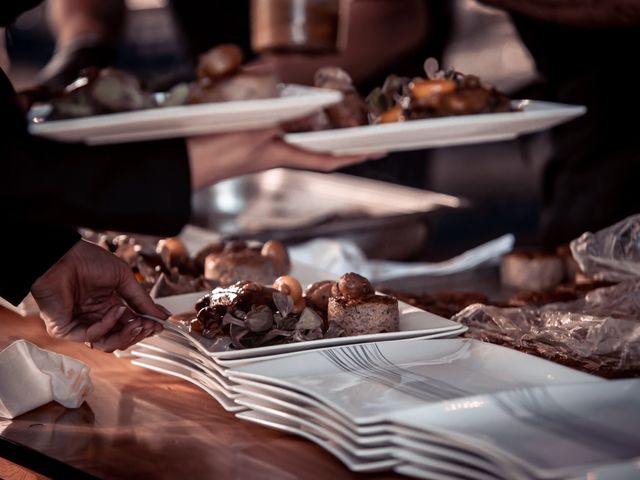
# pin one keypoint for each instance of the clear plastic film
(599, 332)
(612, 253)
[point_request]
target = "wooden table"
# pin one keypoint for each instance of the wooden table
(141, 424)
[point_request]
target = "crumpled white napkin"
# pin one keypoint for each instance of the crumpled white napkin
(31, 377)
(339, 256)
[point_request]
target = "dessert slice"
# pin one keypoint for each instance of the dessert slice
(355, 308)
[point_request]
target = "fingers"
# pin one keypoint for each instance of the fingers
(100, 328)
(118, 330)
(140, 302)
(135, 296)
(149, 326)
(121, 339)
(295, 157)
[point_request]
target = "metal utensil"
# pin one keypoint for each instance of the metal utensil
(171, 327)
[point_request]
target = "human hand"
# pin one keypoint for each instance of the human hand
(216, 157)
(82, 298)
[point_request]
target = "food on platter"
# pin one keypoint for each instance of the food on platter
(237, 260)
(531, 270)
(351, 111)
(539, 270)
(165, 267)
(254, 315)
(441, 93)
(221, 76)
(100, 91)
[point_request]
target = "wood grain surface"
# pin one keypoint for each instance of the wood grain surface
(11, 471)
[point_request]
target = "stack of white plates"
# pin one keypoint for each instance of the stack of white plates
(424, 407)
(207, 363)
(446, 409)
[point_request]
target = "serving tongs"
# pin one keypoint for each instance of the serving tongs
(171, 327)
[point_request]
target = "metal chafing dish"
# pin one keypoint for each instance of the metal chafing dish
(385, 220)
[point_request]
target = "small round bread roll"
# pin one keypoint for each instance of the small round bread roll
(531, 270)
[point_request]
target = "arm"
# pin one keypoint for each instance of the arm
(143, 187)
(28, 251)
(86, 32)
(72, 19)
(576, 13)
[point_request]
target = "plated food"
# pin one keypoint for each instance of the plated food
(445, 108)
(221, 76)
(254, 315)
(110, 106)
(441, 93)
(164, 267)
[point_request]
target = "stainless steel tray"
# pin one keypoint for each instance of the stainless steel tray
(386, 220)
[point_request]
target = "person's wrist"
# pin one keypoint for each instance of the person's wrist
(216, 157)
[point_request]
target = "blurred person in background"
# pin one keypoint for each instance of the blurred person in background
(581, 53)
(49, 188)
(88, 32)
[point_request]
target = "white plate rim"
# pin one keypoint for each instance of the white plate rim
(524, 464)
(534, 110)
(303, 100)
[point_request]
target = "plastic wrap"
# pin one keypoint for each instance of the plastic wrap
(611, 254)
(600, 332)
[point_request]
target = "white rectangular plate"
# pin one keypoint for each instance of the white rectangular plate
(367, 382)
(554, 431)
(427, 446)
(438, 132)
(187, 120)
(413, 323)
